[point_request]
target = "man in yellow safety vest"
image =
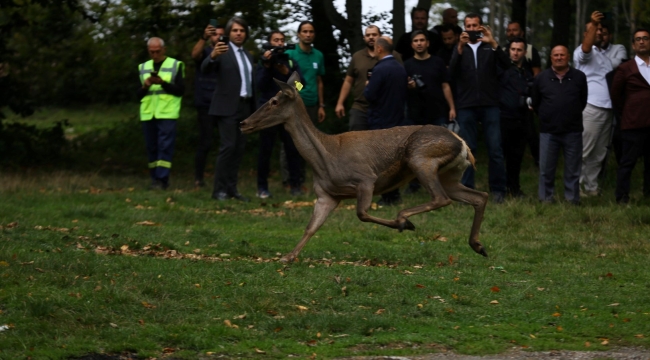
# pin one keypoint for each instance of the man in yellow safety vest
(160, 94)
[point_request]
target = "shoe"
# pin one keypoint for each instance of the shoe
(263, 194)
(221, 196)
(240, 197)
(498, 197)
(158, 185)
(296, 191)
(589, 193)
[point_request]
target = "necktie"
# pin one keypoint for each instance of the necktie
(247, 74)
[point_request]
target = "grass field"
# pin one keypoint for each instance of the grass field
(92, 262)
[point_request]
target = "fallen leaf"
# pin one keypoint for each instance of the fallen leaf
(147, 223)
(540, 289)
(197, 285)
(168, 350)
(456, 327)
(419, 286)
(587, 344)
(640, 336)
(605, 342)
(243, 316)
(532, 336)
(559, 328)
(609, 275)
(557, 314)
(420, 306)
(318, 335)
(454, 296)
(260, 351)
(494, 302)
(4, 263)
(148, 306)
(112, 325)
(614, 304)
(227, 323)
(627, 320)
(277, 329)
(141, 322)
(380, 311)
(495, 289)
(302, 308)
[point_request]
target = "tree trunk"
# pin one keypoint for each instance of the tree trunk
(493, 9)
(328, 45)
(351, 27)
(519, 11)
(502, 20)
(561, 22)
(399, 25)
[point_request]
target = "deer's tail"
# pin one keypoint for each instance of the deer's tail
(470, 156)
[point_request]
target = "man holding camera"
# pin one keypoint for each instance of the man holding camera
(275, 64)
(429, 97)
(204, 86)
(419, 20)
(514, 95)
(160, 94)
(473, 68)
(232, 102)
(597, 116)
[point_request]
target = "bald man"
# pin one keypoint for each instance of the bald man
(559, 97)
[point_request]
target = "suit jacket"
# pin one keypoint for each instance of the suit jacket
(386, 94)
(630, 93)
(225, 98)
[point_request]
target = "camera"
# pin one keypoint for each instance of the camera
(474, 35)
(277, 52)
(154, 73)
(419, 84)
(369, 74)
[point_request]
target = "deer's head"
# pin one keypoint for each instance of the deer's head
(278, 110)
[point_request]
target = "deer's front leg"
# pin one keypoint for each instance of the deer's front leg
(324, 205)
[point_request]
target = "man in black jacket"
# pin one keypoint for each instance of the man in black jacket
(419, 19)
(473, 67)
(559, 97)
(514, 94)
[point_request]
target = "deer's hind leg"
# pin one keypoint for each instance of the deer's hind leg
(364, 200)
(427, 174)
(456, 191)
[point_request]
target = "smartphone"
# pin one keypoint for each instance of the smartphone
(214, 22)
(224, 39)
(608, 16)
(154, 73)
(474, 35)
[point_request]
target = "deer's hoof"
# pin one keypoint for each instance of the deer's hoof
(406, 225)
(288, 259)
(483, 252)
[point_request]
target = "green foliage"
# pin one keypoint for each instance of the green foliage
(30, 146)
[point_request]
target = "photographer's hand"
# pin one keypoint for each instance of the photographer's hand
(452, 114)
(219, 49)
(487, 37)
(464, 39)
(154, 80)
(411, 83)
(209, 31)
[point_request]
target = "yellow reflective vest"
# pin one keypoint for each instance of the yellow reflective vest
(158, 103)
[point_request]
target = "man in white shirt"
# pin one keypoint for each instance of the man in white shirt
(615, 52)
(597, 116)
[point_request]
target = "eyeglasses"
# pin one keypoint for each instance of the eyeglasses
(644, 38)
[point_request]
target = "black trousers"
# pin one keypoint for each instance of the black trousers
(634, 144)
(294, 161)
(532, 136)
(206, 124)
(513, 142)
(231, 149)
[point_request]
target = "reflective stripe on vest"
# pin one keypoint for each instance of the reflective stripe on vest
(160, 163)
(158, 103)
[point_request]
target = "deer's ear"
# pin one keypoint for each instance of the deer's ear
(288, 90)
(293, 78)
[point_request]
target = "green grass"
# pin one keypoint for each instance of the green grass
(67, 289)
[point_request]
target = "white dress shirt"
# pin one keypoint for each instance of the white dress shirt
(616, 53)
(242, 74)
(595, 64)
(644, 68)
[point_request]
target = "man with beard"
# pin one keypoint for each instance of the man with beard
(597, 116)
(532, 62)
(615, 52)
(514, 94)
(449, 20)
(356, 78)
(419, 20)
(631, 94)
(449, 40)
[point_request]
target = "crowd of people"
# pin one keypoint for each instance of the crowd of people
(442, 76)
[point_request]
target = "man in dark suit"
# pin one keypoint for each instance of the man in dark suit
(630, 93)
(232, 102)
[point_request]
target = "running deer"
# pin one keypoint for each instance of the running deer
(361, 164)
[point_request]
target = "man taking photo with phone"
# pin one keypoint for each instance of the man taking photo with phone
(473, 68)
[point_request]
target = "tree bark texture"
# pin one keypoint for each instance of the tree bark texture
(398, 22)
(519, 12)
(328, 45)
(561, 23)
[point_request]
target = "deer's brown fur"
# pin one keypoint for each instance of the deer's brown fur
(361, 164)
